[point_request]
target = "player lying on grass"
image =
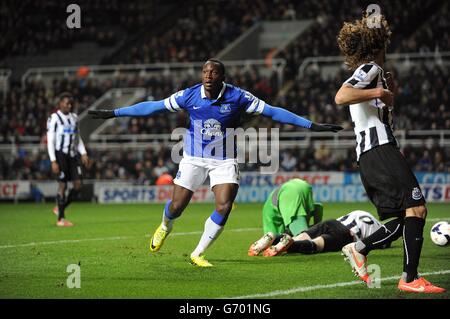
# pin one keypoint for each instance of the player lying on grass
(213, 107)
(289, 209)
(327, 236)
(388, 180)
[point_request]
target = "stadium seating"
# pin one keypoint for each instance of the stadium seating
(103, 22)
(25, 110)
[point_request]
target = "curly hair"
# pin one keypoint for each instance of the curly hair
(360, 43)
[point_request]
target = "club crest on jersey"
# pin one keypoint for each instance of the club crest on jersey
(416, 193)
(361, 75)
(179, 94)
(225, 108)
(212, 127)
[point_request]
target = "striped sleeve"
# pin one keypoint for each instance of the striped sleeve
(176, 101)
(364, 77)
(251, 103)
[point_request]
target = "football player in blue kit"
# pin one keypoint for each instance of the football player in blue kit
(214, 108)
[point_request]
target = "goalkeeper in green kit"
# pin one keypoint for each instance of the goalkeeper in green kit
(289, 209)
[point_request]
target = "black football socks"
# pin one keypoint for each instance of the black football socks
(61, 205)
(303, 246)
(412, 245)
(391, 231)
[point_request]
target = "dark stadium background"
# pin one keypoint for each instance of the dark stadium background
(283, 51)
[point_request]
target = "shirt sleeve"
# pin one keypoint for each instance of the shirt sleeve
(284, 116)
(251, 103)
(141, 109)
(176, 101)
(51, 135)
(364, 77)
(81, 148)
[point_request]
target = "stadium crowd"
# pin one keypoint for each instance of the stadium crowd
(206, 29)
(207, 19)
(403, 17)
(29, 31)
(220, 22)
(145, 167)
(25, 111)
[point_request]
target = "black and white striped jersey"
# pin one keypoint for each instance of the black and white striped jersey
(62, 135)
(372, 119)
(361, 223)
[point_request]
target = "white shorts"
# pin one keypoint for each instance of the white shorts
(193, 171)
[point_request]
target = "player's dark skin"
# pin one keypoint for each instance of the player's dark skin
(212, 79)
(65, 106)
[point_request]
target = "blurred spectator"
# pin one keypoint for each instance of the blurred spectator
(322, 155)
(164, 179)
(288, 161)
(160, 168)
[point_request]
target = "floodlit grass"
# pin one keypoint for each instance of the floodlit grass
(110, 243)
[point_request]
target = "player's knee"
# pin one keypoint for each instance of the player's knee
(302, 236)
(224, 208)
(418, 211)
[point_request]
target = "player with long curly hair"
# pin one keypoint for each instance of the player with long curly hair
(388, 180)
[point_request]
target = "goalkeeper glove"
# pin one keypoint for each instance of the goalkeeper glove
(102, 114)
(316, 127)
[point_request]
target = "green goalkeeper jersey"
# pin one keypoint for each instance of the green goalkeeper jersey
(285, 204)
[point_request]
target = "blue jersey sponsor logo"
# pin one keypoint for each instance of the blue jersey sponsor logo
(70, 130)
(212, 127)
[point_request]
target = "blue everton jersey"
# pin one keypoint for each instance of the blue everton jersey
(211, 133)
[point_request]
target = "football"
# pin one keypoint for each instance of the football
(440, 233)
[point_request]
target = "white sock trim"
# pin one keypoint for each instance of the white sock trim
(211, 232)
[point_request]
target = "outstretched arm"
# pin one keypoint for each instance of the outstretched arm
(284, 116)
(140, 109)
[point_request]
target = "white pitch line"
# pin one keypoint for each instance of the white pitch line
(74, 241)
(67, 241)
(329, 286)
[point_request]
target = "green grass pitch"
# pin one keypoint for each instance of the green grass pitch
(110, 243)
